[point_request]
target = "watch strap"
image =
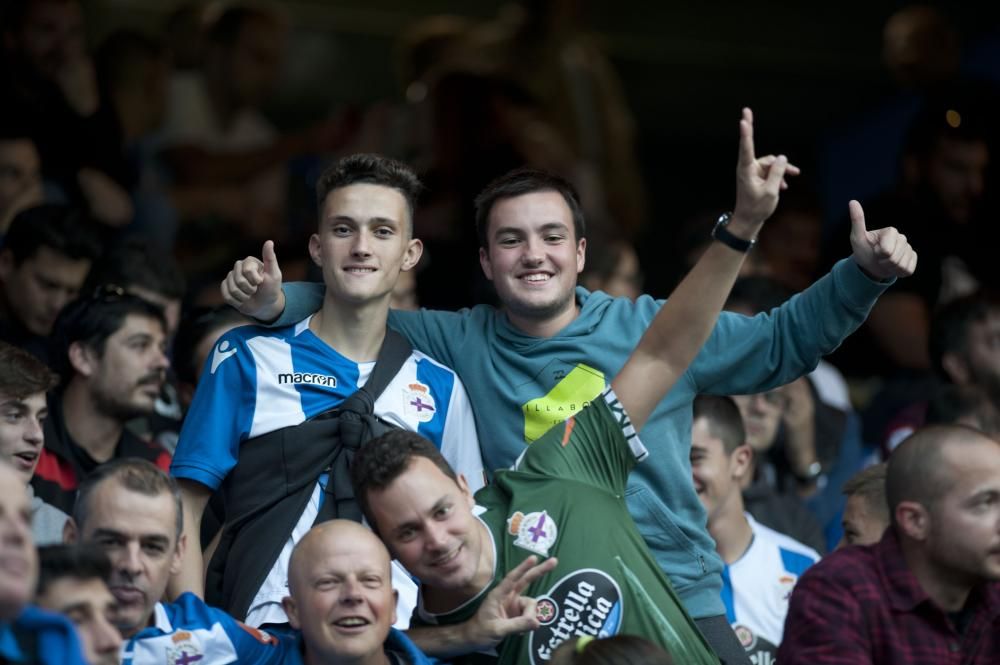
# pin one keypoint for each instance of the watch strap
(727, 238)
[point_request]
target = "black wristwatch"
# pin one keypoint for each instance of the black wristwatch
(722, 234)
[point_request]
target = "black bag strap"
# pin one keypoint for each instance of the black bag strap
(394, 352)
(357, 422)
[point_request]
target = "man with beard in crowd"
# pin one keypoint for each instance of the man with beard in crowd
(113, 368)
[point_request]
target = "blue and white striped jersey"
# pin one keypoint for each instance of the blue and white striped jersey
(189, 632)
(756, 588)
(258, 380)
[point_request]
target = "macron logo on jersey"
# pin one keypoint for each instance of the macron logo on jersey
(307, 377)
(222, 353)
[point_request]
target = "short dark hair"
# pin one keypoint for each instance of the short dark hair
(724, 419)
(194, 326)
(383, 459)
(915, 471)
(133, 263)
(58, 227)
(949, 329)
(134, 474)
(869, 484)
(22, 374)
(372, 169)
(79, 561)
(526, 181)
(93, 319)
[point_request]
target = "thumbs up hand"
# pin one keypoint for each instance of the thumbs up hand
(253, 286)
(883, 253)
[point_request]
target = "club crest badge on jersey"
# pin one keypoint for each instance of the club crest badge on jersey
(185, 649)
(784, 587)
(536, 532)
(418, 402)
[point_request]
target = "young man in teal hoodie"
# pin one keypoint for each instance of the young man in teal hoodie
(553, 346)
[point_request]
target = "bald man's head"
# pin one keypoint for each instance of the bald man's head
(329, 538)
(918, 468)
(944, 493)
(340, 581)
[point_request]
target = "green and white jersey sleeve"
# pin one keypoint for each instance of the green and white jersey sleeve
(599, 446)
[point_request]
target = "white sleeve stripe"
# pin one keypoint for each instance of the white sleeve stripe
(631, 436)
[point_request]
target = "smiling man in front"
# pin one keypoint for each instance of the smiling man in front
(342, 600)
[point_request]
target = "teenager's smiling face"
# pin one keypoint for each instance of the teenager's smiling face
(21, 435)
(363, 242)
(533, 255)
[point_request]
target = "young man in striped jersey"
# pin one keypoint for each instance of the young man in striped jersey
(258, 381)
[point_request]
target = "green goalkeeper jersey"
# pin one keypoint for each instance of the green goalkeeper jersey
(565, 498)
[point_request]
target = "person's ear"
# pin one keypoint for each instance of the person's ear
(314, 250)
(463, 485)
(70, 534)
(484, 262)
(741, 461)
(581, 255)
(913, 520)
(82, 359)
(414, 250)
(395, 602)
(292, 610)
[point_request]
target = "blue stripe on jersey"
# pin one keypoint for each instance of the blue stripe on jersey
(312, 355)
(794, 562)
(441, 383)
(727, 595)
